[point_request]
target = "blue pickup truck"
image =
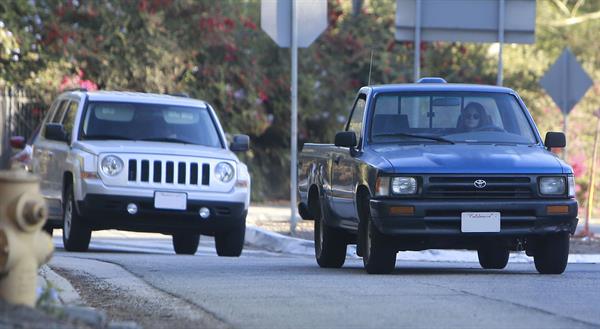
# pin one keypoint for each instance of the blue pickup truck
(434, 165)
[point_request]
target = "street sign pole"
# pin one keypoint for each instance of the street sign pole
(294, 128)
(501, 14)
(417, 60)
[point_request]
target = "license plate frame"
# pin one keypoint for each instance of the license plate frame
(480, 222)
(170, 200)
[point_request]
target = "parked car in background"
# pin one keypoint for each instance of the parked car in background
(142, 162)
(437, 165)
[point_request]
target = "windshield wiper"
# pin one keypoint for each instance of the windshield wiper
(165, 139)
(106, 136)
(433, 138)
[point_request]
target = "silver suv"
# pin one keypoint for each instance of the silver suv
(142, 162)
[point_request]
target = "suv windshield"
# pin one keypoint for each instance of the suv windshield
(149, 122)
(446, 117)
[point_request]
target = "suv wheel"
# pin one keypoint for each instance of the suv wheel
(378, 256)
(330, 243)
(552, 253)
(493, 256)
(76, 234)
(186, 243)
(230, 244)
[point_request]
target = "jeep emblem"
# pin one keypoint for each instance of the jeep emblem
(480, 183)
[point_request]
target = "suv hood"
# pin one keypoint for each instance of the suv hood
(158, 148)
(470, 158)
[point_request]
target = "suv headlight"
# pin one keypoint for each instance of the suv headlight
(224, 172)
(111, 165)
(386, 186)
(552, 185)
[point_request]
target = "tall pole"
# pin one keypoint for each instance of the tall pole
(294, 128)
(417, 61)
(501, 42)
(4, 131)
(565, 85)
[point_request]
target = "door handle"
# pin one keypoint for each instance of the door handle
(337, 159)
(50, 154)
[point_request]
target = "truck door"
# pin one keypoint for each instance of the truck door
(344, 169)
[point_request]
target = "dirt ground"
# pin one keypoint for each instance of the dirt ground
(22, 317)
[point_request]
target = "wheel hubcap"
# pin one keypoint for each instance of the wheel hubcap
(68, 218)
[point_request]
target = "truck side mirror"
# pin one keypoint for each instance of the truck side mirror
(17, 142)
(346, 139)
(241, 143)
(555, 139)
(56, 132)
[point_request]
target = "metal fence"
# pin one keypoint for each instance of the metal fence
(19, 116)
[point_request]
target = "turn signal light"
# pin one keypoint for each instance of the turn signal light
(557, 210)
(401, 211)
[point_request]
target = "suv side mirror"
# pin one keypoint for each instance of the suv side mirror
(241, 143)
(56, 132)
(555, 139)
(17, 142)
(346, 139)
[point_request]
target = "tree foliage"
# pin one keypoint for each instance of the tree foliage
(216, 51)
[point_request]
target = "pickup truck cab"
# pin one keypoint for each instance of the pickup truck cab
(437, 165)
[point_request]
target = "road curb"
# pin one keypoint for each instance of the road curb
(65, 291)
(274, 242)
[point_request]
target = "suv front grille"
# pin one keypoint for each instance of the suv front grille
(168, 172)
(464, 187)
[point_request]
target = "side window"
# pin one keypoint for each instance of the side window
(69, 118)
(60, 111)
(356, 120)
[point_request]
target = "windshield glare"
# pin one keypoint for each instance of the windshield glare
(457, 117)
(150, 122)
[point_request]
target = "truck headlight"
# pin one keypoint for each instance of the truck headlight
(571, 181)
(111, 165)
(552, 185)
(224, 172)
(404, 185)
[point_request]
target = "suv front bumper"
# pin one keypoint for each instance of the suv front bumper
(110, 212)
(443, 217)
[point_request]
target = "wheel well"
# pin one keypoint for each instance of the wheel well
(313, 201)
(67, 180)
(362, 198)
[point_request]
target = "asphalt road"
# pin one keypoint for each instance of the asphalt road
(265, 290)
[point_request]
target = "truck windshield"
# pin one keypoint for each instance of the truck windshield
(450, 116)
(149, 122)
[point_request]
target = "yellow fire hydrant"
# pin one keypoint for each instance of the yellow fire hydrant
(23, 245)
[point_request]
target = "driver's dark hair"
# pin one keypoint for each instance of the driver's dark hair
(484, 118)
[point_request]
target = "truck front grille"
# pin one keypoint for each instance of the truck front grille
(464, 187)
(168, 172)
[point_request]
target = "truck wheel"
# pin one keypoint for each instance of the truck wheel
(552, 253)
(186, 243)
(76, 234)
(230, 244)
(493, 256)
(330, 243)
(378, 256)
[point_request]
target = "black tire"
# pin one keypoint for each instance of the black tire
(379, 257)
(330, 243)
(552, 253)
(76, 233)
(493, 256)
(186, 243)
(231, 244)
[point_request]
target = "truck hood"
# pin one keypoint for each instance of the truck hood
(158, 148)
(470, 158)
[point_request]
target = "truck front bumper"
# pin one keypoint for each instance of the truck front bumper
(110, 212)
(443, 217)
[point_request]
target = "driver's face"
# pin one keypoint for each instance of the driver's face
(471, 118)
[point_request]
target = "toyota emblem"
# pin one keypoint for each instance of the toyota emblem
(480, 183)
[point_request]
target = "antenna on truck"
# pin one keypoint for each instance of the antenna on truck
(370, 67)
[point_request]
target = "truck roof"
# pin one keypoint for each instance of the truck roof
(455, 87)
(138, 97)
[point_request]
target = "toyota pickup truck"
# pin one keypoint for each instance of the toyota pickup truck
(434, 165)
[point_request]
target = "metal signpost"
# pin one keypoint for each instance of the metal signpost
(280, 20)
(501, 21)
(566, 82)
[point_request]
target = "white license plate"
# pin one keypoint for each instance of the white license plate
(170, 200)
(480, 222)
